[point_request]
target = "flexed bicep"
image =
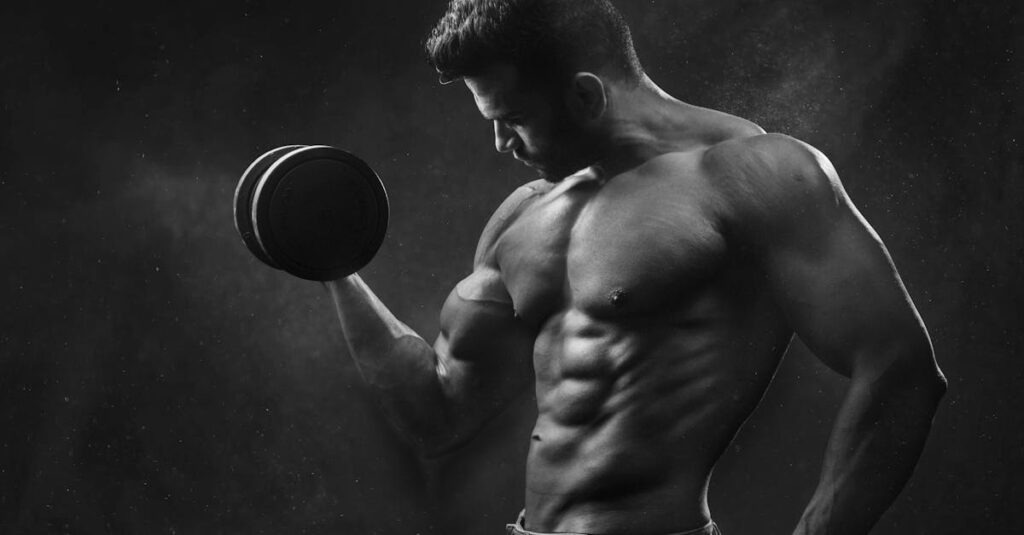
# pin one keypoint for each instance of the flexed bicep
(484, 353)
(480, 332)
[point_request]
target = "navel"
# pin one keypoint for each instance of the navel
(617, 297)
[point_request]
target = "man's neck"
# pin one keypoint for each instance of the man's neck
(641, 122)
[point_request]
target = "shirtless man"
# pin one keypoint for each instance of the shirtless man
(648, 284)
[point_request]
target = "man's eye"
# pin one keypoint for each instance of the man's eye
(514, 121)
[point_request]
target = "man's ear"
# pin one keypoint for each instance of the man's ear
(586, 96)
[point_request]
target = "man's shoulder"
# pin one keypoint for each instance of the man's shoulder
(519, 200)
(770, 169)
(524, 193)
(768, 154)
(507, 212)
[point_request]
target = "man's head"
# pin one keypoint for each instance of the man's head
(538, 69)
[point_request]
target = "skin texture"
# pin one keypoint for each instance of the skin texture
(649, 296)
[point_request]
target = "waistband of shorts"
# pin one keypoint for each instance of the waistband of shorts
(518, 528)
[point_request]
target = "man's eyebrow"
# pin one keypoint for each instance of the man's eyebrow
(501, 115)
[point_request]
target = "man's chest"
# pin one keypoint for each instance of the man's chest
(631, 246)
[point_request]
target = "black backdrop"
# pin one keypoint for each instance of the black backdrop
(155, 378)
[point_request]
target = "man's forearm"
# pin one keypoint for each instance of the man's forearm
(393, 360)
(878, 436)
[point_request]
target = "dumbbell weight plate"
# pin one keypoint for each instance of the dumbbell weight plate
(320, 213)
(244, 192)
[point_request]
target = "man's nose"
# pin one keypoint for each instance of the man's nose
(505, 138)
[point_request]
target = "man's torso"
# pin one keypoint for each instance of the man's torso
(655, 338)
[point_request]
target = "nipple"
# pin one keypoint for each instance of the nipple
(617, 297)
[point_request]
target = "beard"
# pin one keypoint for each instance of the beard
(555, 171)
(553, 176)
(571, 149)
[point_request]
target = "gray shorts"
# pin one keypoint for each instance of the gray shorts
(519, 529)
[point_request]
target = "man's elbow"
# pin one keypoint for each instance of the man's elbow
(930, 383)
(903, 369)
(925, 372)
(912, 371)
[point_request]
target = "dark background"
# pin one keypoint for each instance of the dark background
(155, 378)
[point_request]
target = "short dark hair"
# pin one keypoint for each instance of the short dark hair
(549, 39)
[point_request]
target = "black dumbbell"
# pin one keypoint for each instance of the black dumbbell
(317, 212)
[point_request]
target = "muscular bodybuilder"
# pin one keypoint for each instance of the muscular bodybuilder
(648, 285)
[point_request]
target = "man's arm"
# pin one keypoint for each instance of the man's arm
(835, 281)
(440, 396)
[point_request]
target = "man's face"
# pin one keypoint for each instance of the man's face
(531, 121)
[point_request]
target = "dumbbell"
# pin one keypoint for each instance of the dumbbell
(316, 212)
